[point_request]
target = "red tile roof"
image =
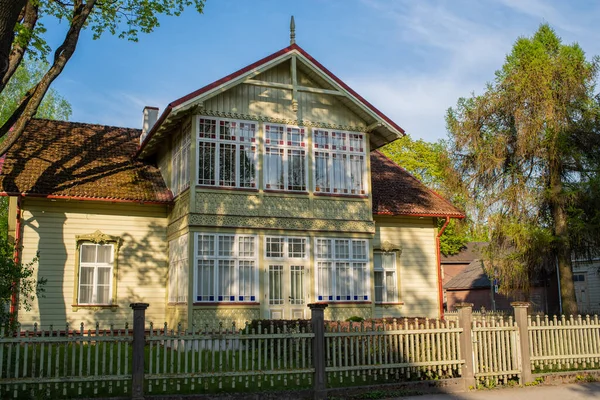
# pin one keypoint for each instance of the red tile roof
(70, 159)
(396, 192)
(96, 162)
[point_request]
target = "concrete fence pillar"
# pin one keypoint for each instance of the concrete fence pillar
(520, 310)
(317, 320)
(465, 321)
(137, 359)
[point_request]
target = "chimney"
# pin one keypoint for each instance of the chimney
(150, 117)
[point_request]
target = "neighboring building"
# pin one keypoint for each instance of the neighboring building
(465, 280)
(246, 199)
(586, 279)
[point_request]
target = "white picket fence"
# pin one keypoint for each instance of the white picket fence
(277, 355)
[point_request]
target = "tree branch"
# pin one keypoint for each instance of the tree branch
(29, 105)
(29, 19)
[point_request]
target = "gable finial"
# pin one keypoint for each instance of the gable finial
(292, 31)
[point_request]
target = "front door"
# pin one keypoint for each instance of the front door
(286, 291)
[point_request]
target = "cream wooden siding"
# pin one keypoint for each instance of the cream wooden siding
(50, 227)
(592, 270)
(277, 103)
(417, 265)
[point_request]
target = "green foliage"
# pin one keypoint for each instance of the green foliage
(527, 150)
(10, 272)
(54, 106)
(355, 318)
(124, 18)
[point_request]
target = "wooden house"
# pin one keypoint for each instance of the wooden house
(248, 198)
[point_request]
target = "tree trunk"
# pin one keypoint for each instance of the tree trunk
(30, 17)
(9, 15)
(28, 106)
(562, 247)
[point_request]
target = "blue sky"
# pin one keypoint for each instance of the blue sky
(411, 59)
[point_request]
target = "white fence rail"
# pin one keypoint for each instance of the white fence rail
(564, 343)
(67, 363)
(279, 355)
(421, 349)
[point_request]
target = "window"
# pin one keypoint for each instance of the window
(339, 162)
(95, 273)
(342, 270)
(285, 158)
(96, 270)
(180, 155)
(226, 268)
(178, 270)
(285, 247)
(384, 265)
(226, 153)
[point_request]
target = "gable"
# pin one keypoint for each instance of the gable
(308, 94)
(276, 102)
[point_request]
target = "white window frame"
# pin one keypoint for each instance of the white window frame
(236, 258)
(337, 264)
(96, 265)
(239, 142)
(178, 269)
(286, 243)
(382, 269)
(347, 151)
(286, 145)
(180, 160)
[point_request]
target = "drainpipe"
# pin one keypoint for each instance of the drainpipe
(17, 257)
(439, 267)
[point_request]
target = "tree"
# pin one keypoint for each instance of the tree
(525, 148)
(429, 163)
(53, 106)
(12, 271)
(21, 32)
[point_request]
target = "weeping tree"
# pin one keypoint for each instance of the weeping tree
(22, 33)
(527, 152)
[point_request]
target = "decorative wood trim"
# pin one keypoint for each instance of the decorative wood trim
(388, 247)
(299, 123)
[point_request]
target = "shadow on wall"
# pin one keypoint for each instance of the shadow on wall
(94, 160)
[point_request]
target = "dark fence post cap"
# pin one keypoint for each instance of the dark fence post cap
(317, 306)
(520, 304)
(139, 306)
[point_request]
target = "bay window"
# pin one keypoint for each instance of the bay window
(226, 268)
(226, 153)
(341, 270)
(340, 166)
(285, 158)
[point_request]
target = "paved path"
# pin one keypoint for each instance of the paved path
(576, 391)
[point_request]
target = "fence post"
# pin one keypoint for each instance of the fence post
(137, 359)
(465, 318)
(317, 319)
(520, 309)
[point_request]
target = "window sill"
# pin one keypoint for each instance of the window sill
(345, 196)
(225, 304)
(177, 303)
(343, 303)
(234, 189)
(95, 307)
(283, 191)
(391, 303)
